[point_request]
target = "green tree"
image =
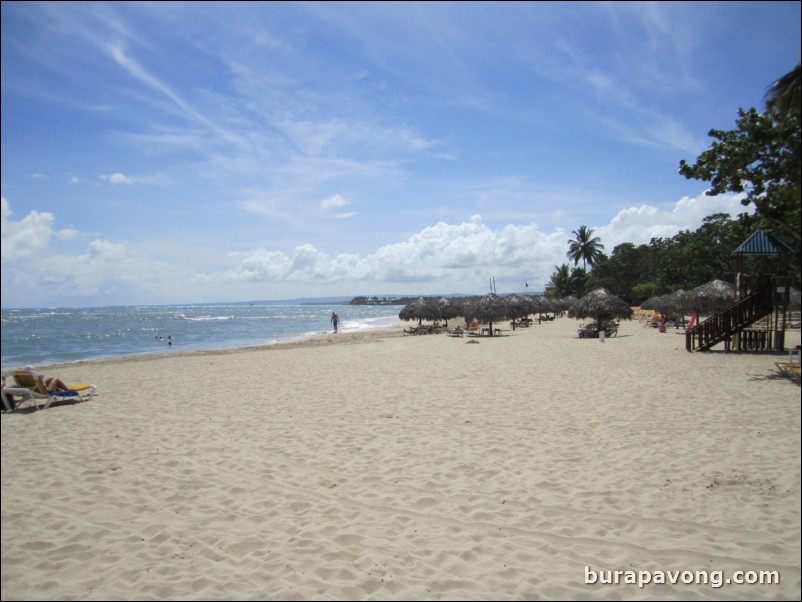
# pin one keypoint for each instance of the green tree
(566, 281)
(622, 271)
(579, 282)
(761, 158)
(684, 261)
(559, 285)
(584, 246)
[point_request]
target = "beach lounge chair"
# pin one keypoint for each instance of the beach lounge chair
(31, 382)
(13, 397)
(791, 368)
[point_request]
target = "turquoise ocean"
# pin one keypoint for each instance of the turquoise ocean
(45, 336)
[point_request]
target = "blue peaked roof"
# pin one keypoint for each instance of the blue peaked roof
(762, 243)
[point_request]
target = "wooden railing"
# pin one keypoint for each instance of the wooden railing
(720, 327)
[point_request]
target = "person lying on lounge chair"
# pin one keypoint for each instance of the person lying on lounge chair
(51, 383)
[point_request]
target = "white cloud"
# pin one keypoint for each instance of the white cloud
(118, 178)
(68, 234)
(338, 201)
(438, 259)
(263, 266)
(334, 201)
(462, 256)
(26, 237)
(639, 225)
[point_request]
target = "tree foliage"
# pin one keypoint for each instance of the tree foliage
(566, 282)
(585, 247)
(762, 159)
(686, 260)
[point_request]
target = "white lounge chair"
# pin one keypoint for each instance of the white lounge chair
(15, 393)
(31, 388)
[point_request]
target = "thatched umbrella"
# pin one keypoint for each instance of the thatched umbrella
(655, 303)
(677, 302)
(490, 308)
(544, 305)
(665, 304)
(520, 307)
(602, 305)
(680, 303)
(567, 303)
(449, 308)
(531, 304)
(712, 296)
(422, 308)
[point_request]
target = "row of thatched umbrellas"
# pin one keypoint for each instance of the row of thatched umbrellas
(599, 304)
(707, 298)
(491, 308)
(487, 309)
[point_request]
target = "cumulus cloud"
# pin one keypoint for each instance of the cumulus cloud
(26, 237)
(33, 274)
(438, 252)
(440, 258)
(639, 225)
(455, 256)
(118, 178)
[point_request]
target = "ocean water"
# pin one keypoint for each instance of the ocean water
(44, 336)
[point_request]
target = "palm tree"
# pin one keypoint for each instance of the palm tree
(560, 283)
(566, 282)
(783, 95)
(584, 246)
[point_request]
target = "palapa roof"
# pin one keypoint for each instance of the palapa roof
(490, 308)
(602, 305)
(422, 308)
(712, 296)
(449, 308)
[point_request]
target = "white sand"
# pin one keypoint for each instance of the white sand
(381, 466)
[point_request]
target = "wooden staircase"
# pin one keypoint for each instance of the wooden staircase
(732, 320)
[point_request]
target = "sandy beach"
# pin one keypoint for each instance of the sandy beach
(376, 466)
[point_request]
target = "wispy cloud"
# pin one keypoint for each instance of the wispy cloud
(328, 147)
(141, 74)
(334, 201)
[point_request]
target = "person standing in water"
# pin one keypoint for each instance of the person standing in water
(335, 320)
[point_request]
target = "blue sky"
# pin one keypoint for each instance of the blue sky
(197, 152)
